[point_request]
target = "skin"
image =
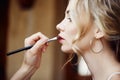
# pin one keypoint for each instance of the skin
(99, 65)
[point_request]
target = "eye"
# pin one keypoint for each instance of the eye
(70, 20)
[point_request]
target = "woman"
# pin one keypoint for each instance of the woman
(91, 29)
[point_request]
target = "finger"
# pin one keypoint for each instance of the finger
(39, 46)
(34, 38)
(44, 48)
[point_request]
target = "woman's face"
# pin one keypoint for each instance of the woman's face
(67, 33)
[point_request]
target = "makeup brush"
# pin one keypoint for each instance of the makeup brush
(28, 47)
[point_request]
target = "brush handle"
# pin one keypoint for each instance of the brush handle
(28, 47)
(19, 50)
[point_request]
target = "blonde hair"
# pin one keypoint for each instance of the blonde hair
(105, 14)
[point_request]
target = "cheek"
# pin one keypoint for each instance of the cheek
(72, 32)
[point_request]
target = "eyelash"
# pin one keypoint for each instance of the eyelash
(70, 20)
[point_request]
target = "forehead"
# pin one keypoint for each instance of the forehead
(72, 7)
(72, 4)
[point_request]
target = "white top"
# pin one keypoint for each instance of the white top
(115, 73)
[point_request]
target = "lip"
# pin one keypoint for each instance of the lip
(60, 39)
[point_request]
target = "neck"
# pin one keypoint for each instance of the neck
(101, 65)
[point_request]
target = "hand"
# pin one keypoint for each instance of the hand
(32, 57)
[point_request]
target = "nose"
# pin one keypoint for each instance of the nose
(60, 26)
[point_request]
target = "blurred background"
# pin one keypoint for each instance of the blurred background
(21, 18)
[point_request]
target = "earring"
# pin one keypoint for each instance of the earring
(96, 45)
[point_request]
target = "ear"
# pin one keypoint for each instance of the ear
(99, 34)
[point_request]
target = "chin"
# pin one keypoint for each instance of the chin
(66, 49)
